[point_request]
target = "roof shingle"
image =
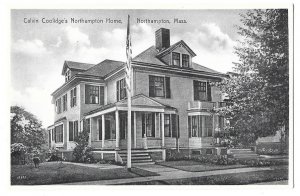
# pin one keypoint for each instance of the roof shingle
(104, 68)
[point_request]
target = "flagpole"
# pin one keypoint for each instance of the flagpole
(128, 81)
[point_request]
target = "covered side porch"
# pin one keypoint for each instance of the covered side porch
(108, 125)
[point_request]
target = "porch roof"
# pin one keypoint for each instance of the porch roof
(139, 102)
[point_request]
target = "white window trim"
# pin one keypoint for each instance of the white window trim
(165, 85)
(93, 84)
(63, 130)
(206, 81)
(119, 89)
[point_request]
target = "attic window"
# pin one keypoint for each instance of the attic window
(185, 60)
(67, 75)
(175, 59)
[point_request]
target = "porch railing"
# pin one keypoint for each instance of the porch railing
(204, 105)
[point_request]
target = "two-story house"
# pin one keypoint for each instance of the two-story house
(171, 102)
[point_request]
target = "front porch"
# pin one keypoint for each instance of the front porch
(108, 126)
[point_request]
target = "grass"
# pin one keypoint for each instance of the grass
(225, 179)
(194, 166)
(59, 172)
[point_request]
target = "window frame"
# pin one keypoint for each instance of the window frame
(59, 136)
(168, 131)
(87, 96)
(121, 91)
(67, 75)
(185, 62)
(166, 88)
(199, 89)
(58, 105)
(173, 54)
(65, 102)
(74, 131)
(73, 97)
(200, 132)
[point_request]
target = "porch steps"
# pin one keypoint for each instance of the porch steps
(137, 157)
(242, 153)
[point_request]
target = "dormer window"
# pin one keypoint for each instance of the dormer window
(175, 59)
(67, 75)
(185, 60)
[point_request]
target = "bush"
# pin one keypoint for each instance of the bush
(260, 162)
(174, 155)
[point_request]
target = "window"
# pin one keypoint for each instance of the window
(58, 131)
(200, 92)
(175, 59)
(58, 106)
(148, 124)
(121, 89)
(65, 102)
(73, 130)
(167, 125)
(185, 60)
(200, 126)
(67, 75)
(73, 97)
(91, 94)
(94, 94)
(221, 123)
(159, 86)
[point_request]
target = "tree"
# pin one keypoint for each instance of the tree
(259, 88)
(26, 129)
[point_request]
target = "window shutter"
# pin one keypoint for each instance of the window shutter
(75, 129)
(196, 94)
(174, 125)
(143, 125)
(55, 132)
(168, 89)
(208, 92)
(71, 138)
(178, 130)
(151, 87)
(189, 126)
(118, 91)
(153, 124)
(100, 128)
(101, 95)
(86, 94)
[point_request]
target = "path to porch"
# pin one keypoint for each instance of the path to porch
(167, 173)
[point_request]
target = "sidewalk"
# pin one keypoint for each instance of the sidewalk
(166, 173)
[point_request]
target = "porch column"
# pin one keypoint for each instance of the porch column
(134, 129)
(162, 130)
(90, 134)
(117, 130)
(103, 130)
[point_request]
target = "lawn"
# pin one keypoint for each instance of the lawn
(225, 179)
(194, 166)
(59, 172)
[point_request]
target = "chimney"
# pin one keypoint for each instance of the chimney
(162, 39)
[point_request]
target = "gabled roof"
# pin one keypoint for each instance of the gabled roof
(149, 56)
(139, 100)
(76, 65)
(174, 46)
(105, 67)
(202, 68)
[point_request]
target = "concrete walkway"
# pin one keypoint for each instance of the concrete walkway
(167, 173)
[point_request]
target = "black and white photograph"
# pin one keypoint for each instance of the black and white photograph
(151, 96)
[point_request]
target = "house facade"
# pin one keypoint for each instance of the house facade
(172, 99)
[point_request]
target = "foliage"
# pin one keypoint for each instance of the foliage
(259, 89)
(26, 129)
(261, 162)
(82, 153)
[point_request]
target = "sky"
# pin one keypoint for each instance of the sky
(38, 50)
